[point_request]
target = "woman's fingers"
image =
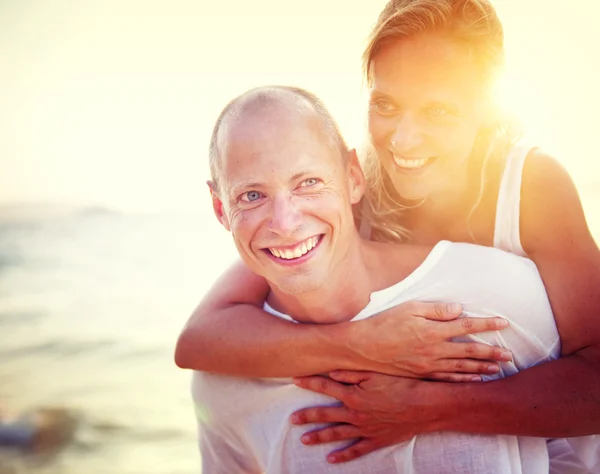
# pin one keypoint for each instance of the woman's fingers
(454, 377)
(468, 358)
(349, 376)
(354, 451)
(466, 366)
(467, 325)
(434, 311)
(330, 434)
(325, 385)
(322, 414)
(453, 354)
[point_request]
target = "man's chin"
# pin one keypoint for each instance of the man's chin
(299, 286)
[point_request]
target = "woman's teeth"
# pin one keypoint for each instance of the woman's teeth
(410, 164)
(296, 251)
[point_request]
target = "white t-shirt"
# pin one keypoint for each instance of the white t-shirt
(244, 423)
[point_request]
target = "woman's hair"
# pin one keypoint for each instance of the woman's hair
(473, 23)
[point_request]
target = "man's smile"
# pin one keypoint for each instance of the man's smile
(294, 252)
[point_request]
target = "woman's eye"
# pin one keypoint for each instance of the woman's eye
(384, 106)
(309, 182)
(251, 196)
(437, 112)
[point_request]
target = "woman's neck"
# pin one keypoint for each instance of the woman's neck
(464, 212)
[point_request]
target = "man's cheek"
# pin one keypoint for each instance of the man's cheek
(243, 230)
(236, 220)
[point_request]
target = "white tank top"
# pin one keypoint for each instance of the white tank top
(507, 234)
(506, 229)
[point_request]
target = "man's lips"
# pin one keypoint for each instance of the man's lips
(295, 251)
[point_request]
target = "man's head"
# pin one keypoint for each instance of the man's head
(283, 182)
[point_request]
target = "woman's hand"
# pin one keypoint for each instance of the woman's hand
(413, 339)
(377, 411)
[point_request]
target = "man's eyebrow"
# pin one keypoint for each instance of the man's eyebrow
(236, 190)
(251, 185)
(297, 176)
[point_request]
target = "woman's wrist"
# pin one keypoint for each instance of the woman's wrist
(340, 344)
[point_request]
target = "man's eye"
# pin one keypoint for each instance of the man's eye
(250, 196)
(309, 182)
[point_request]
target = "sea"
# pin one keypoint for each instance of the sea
(91, 303)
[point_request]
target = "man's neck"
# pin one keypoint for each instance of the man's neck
(345, 294)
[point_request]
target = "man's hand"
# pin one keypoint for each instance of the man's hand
(378, 410)
(413, 339)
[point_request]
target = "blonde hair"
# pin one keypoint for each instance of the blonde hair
(473, 23)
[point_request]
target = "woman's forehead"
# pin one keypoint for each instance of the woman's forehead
(425, 65)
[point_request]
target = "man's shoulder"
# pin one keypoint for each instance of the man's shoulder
(399, 261)
(469, 250)
(393, 263)
(473, 256)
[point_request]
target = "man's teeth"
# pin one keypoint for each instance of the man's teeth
(410, 164)
(297, 251)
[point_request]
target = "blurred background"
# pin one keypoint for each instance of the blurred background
(107, 239)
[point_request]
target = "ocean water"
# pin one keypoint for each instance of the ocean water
(91, 303)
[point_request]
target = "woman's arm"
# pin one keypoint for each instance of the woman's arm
(555, 235)
(560, 398)
(556, 399)
(230, 333)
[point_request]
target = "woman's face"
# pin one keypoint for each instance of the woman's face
(425, 111)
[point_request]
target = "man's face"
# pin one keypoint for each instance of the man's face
(286, 196)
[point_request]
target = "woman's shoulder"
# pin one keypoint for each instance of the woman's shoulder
(551, 210)
(543, 179)
(540, 167)
(502, 190)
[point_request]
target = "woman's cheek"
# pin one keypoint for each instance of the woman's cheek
(379, 129)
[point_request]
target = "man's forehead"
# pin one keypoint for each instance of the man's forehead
(262, 120)
(273, 135)
(269, 131)
(273, 165)
(260, 163)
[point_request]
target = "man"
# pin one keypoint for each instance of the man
(284, 184)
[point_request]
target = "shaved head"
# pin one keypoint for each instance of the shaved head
(270, 106)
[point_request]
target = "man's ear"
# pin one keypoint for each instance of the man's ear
(356, 177)
(218, 205)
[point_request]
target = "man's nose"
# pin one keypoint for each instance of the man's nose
(286, 217)
(407, 135)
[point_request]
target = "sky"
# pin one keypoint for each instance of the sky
(112, 102)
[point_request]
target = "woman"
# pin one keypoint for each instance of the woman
(443, 164)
